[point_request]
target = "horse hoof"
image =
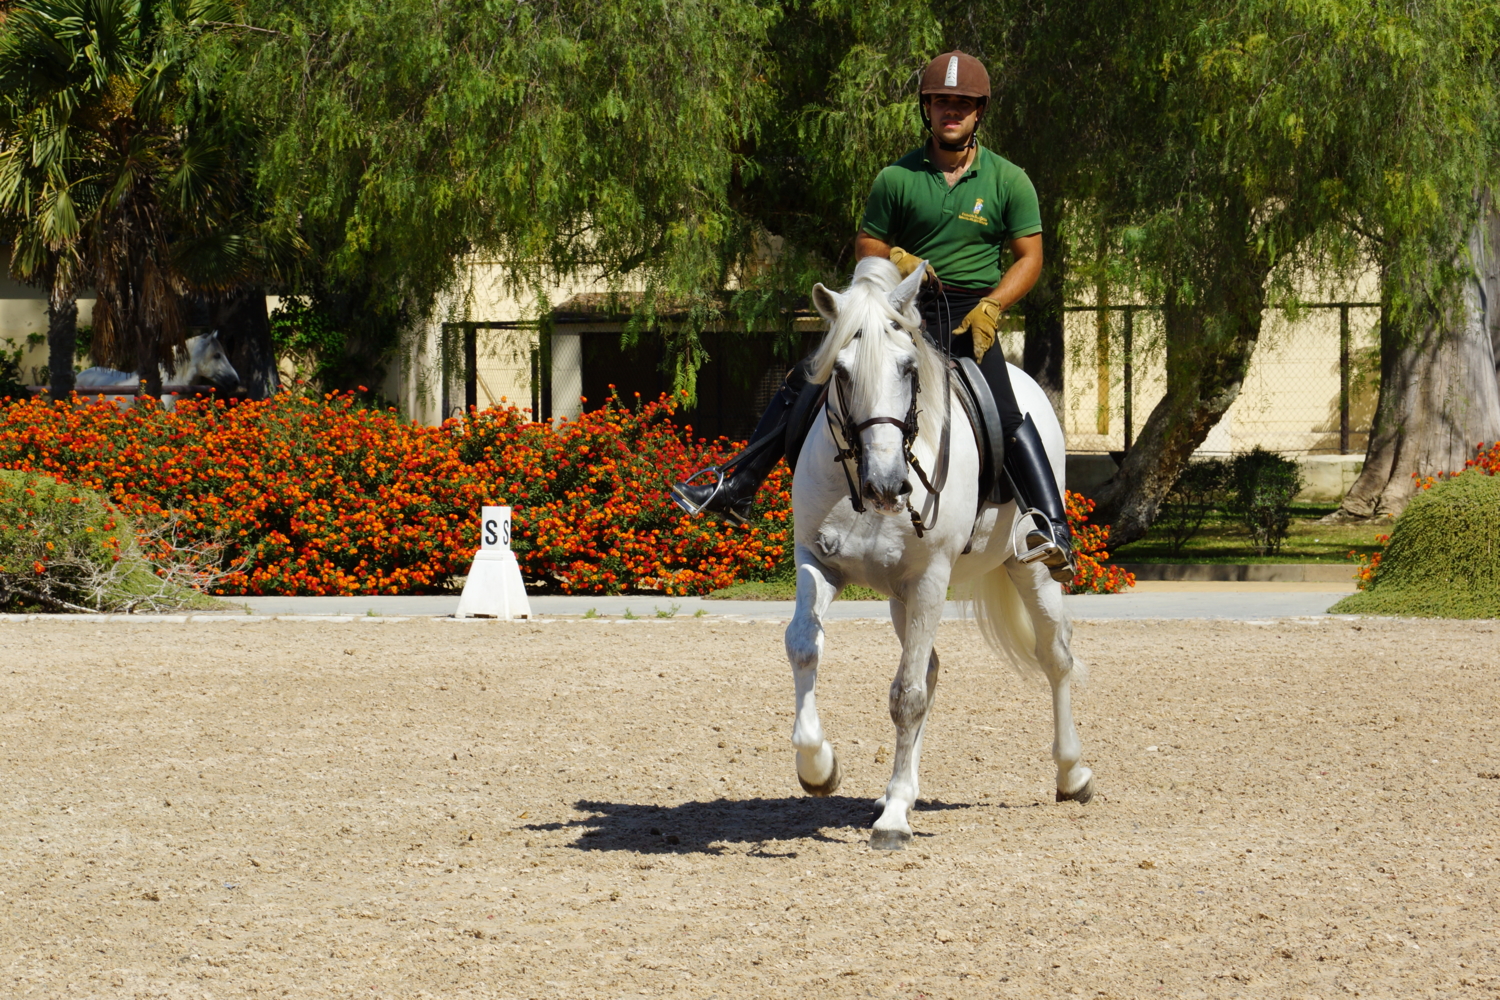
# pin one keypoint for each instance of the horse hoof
(835, 778)
(889, 840)
(1082, 796)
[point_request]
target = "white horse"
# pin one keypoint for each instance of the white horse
(207, 363)
(879, 367)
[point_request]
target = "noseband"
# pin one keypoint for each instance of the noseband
(851, 447)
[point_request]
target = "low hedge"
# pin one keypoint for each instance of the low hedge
(1442, 557)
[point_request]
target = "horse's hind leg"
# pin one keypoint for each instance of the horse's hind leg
(817, 764)
(911, 699)
(1054, 634)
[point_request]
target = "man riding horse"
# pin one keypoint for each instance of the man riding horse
(953, 204)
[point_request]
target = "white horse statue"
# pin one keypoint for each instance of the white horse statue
(207, 364)
(880, 368)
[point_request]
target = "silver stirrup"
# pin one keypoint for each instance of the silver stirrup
(688, 505)
(1042, 524)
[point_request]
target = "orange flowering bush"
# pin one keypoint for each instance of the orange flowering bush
(321, 495)
(1368, 565)
(1089, 540)
(304, 495)
(591, 510)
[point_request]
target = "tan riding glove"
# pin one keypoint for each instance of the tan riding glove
(906, 263)
(983, 322)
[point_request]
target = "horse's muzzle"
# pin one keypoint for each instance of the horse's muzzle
(888, 496)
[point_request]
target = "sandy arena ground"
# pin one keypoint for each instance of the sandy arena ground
(608, 809)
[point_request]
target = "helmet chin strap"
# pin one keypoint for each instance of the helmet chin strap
(953, 147)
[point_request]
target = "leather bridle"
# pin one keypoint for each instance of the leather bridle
(843, 426)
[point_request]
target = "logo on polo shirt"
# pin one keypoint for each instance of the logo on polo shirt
(974, 216)
(978, 206)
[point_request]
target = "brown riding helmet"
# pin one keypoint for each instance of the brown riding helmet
(956, 73)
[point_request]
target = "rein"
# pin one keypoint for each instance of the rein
(843, 426)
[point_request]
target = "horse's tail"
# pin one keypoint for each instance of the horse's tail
(1005, 622)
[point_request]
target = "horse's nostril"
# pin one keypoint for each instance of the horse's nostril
(905, 488)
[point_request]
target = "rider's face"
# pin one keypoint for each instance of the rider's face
(953, 118)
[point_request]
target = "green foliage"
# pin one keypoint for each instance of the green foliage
(1201, 488)
(403, 136)
(1264, 485)
(11, 386)
(119, 169)
(1443, 559)
(63, 548)
(716, 153)
(305, 334)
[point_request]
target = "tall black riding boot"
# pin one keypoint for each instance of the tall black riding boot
(1050, 539)
(731, 493)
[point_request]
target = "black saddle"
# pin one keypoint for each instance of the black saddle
(984, 417)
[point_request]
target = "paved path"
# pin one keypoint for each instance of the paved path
(1202, 600)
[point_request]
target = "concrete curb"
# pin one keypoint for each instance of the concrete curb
(1245, 572)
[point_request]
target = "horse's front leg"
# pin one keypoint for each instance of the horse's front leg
(916, 624)
(817, 764)
(1054, 634)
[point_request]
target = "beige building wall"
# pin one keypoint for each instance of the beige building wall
(503, 352)
(23, 324)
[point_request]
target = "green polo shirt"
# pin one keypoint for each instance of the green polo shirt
(960, 230)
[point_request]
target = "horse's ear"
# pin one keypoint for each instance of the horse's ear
(827, 302)
(900, 297)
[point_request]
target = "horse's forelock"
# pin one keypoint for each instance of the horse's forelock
(866, 310)
(877, 270)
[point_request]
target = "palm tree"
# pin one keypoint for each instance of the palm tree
(115, 171)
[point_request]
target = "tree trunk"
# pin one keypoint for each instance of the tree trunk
(62, 340)
(1491, 285)
(1439, 395)
(1209, 344)
(245, 331)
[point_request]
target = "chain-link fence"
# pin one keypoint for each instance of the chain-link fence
(1311, 387)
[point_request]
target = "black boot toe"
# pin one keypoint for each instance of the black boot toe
(713, 498)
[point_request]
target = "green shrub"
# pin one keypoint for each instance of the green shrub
(1201, 488)
(11, 386)
(64, 548)
(1264, 485)
(1443, 559)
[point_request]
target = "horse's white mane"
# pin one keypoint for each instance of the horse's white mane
(865, 308)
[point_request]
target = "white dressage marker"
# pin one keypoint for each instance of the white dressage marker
(879, 367)
(494, 588)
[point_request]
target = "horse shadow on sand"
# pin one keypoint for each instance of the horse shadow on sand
(770, 826)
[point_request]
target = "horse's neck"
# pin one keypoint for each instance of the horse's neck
(186, 370)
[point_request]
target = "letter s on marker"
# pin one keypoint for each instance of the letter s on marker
(490, 535)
